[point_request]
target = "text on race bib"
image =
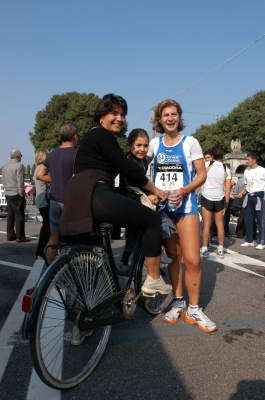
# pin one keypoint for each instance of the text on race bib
(166, 173)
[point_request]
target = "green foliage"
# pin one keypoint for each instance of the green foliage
(68, 107)
(245, 122)
(122, 138)
(28, 176)
(34, 166)
(122, 144)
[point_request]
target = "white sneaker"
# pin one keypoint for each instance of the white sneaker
(153, 286)
(78, 337)
(246, 244)
(165, 259)
(205, 254)
(260, 247)
(200, 319)
(220, 253)
(178, 309)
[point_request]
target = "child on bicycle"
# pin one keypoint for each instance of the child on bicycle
(138, 144)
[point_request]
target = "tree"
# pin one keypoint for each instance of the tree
(245, 122)
(68, 107)
(34, 166)
(28, 172)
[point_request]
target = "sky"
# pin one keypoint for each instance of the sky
(143, 50)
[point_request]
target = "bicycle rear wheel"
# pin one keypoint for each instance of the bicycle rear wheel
(58, 363)
(153, 304)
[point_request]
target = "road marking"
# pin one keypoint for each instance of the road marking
(232, 258)
(9, 264)
(38, 390)
(15, 318)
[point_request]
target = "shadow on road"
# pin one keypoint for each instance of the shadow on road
(250, 390)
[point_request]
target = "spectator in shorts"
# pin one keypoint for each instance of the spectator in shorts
(57, 169)
(214, 199)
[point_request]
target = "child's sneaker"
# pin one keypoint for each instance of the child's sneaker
(165, 259)
(78, 337)
(199, 318)
(178, 309)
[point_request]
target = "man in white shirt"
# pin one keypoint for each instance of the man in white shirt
(254, 184)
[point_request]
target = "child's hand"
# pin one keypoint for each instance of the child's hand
(153, 198)
(160, 194)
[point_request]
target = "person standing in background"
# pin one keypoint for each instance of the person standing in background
(254, 184)
(57, 169)
(13, 181)
(42, 203)
(208, 155)
(215, 196)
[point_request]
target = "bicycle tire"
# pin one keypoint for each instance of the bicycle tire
(59, 364)
(153, 304)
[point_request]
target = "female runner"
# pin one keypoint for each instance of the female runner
(178, 159)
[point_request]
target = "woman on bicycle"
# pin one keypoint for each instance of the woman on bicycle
(90, 193)
(178, 159)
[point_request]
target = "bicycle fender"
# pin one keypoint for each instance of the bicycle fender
(30, 320)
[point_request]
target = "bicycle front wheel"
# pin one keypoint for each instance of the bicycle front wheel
(157, 303)
(58, 363)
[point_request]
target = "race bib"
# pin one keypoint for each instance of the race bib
(166, 173)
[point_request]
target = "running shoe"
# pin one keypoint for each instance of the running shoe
(246, 244)
(178, 309)
(260, 247)
(153, 286)
(205, 254)
(165, 259)
(200, 319)
(220, 253)
(78, 337)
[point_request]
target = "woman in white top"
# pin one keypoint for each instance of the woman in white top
(215, 194)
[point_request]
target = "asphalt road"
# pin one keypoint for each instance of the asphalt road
(146, 358)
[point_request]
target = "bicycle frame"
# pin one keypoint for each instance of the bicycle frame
(109, 311)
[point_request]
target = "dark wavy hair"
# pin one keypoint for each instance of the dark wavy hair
(135, 133)
(108, 103)
(158, 114)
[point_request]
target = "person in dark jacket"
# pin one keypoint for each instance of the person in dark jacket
(99, 160)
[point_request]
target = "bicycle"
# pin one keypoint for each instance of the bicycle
(82, 287)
